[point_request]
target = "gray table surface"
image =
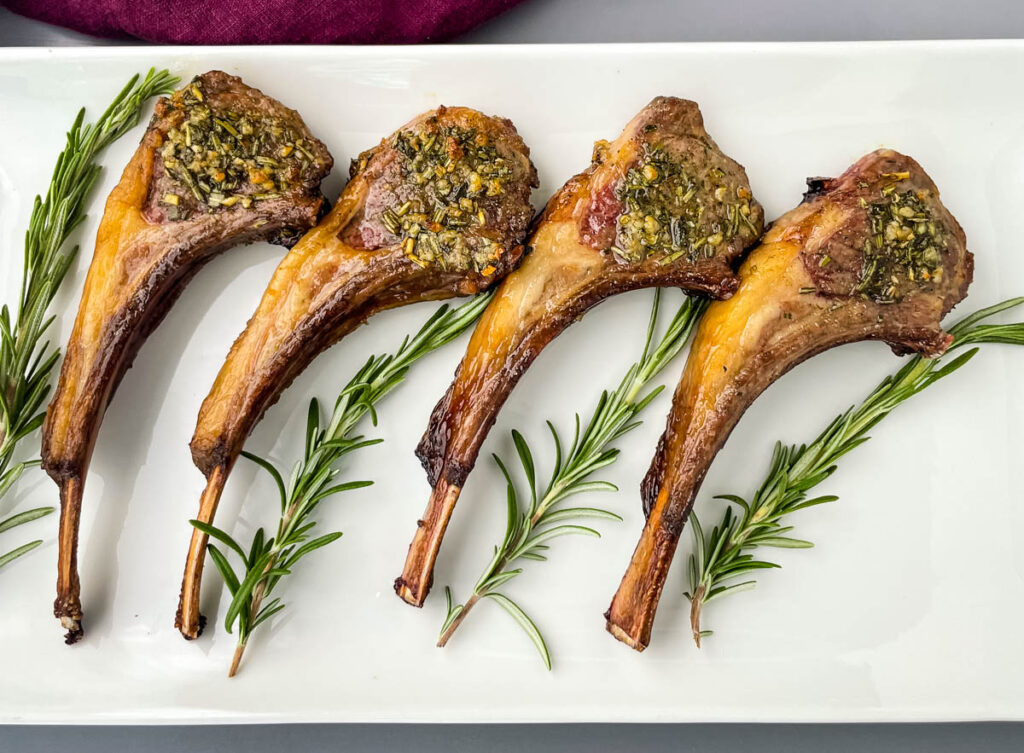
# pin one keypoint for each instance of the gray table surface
(603, 21)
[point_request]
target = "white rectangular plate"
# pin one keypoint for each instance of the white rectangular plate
(909, 608)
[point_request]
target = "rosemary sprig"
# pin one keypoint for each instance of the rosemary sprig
(724, 555)
(26, 361)
(532, 525)
(267, 560)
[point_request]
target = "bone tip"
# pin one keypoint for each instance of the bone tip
(408, 594)
(191, 631)
(621, 635)
(74, 630)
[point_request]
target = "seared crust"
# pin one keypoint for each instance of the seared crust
(438, 209)
(663, 168)
(345, 270)
(143, 260)
(300, 202)
(507, 214)
(676, 128)
(588, 202)
(810, 286)
(834, 255)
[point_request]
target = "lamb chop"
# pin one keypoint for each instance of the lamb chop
(660, 206)
(437, 210)
(871, 255)
(220, 165)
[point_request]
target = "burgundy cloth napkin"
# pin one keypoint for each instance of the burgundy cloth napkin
(266, 21)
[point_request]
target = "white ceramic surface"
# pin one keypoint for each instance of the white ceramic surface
(909, 608)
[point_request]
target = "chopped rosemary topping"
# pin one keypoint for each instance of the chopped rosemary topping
(454, 171)
(906, 244)
(220, 155)
(665, 210)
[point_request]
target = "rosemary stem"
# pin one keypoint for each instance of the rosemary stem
(499, 565)
(546, 501)
(260, 591)
(237, 658)
(695, 609)
(6, 450)
(509, 556)
(254, 609)
(450, 630)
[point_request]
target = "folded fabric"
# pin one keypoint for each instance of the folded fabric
(266, 21)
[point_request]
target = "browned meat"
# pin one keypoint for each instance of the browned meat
(871, 255)
(221, 164)
(659, 206)
(439, 209)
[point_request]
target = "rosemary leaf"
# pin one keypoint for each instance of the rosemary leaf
(27, 360)
(267, 560)
(24, 517)
(532, 524)
(725, 554)
(19, 551)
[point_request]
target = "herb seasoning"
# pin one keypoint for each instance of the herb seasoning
(222, 158)
(905, 247)
(455, 174)
(672, 213)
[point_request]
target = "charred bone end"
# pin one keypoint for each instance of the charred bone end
(193, 632)
(74, 630)
(621, 635)
(413, 585)
(816, 187)
(70, 616)
(409, 594)
(189, 620)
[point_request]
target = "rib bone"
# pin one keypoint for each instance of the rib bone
(439, 209)
(197, 185)
(659, 206)
(872, 255)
